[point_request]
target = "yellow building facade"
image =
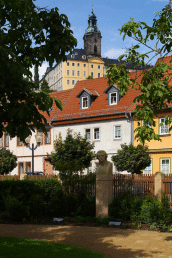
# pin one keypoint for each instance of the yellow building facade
(160, 152)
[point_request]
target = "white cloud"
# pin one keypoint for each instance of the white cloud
(42, 69)
(114, 52)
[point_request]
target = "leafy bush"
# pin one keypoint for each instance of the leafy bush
(15, 209)
(120, 208)
(86, 206)
(36, 206)
(56, 205)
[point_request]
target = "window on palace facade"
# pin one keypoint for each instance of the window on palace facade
(98, 75)
(67, 63)
(73, 72)
(92, 74)
(84, 65)
(73, 64)
(92, 66)
(73, 82)
(84, 73)
(78, 73)
(68, 72)
(78, 64)
(98, 66)
(68, 82)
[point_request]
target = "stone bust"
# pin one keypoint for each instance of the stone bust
(104, 169)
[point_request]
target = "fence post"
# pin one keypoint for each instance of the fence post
(104, 185)
(158, 188)
(22, 176)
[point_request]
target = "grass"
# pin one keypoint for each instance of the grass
(11, 247)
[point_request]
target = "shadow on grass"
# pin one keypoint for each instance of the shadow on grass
(108, 241)
(19, 247)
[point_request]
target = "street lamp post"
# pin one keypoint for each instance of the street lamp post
(38, 137)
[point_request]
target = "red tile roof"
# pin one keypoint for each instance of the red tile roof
(62, 96)
(72, 110)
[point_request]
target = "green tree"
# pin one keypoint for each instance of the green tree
(155, 91)
(29, 35)
(8, 161)
(131, 158)
(89, 77)
(72, 155)
(36, 77)
(44, 86)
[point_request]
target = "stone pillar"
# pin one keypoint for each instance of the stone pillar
(104, 185)
(22, 176)
(158, 186)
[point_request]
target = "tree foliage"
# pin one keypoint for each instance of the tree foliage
(8, 161)
(131, 158)
(155, 91)
(29, 35)
(44, 86)
(72, 155)
(36, 77)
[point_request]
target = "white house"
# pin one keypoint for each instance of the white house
(91, 107)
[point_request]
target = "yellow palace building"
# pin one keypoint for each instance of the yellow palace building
(82, 63)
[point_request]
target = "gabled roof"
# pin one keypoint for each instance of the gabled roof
(90, 92)
(105, 91)
(99, 106)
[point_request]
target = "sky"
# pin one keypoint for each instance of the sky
(111, 15)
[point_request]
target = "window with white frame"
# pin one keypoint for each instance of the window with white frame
(73, 72)
(73, 82)
(98, 66)
(21, 168)
(92, 66)
(67, 63)
(84, 65)
(6, 140)
(113, 98)
(164, 129)
(98, 75)
(92, 74)
(48, 137)
(19, 142)
(84, 57)
(68, 82)
(84, 73)
(41, 133)
(1, 142)
(148, 170)
(78, 64)
(28, 166)
(68, 72)
(88, 133)
(117, 132)
(84, 102)
(165, 165)
(96, 134)
(78, 73)
(73, 64)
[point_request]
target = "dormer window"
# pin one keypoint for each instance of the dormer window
(113, 98)
(84, 57)
(72, 56)
(84, 102)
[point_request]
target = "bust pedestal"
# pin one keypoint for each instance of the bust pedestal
(104, 189)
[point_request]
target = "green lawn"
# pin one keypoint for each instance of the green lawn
(11, 247)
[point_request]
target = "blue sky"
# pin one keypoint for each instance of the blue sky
(111, 15)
